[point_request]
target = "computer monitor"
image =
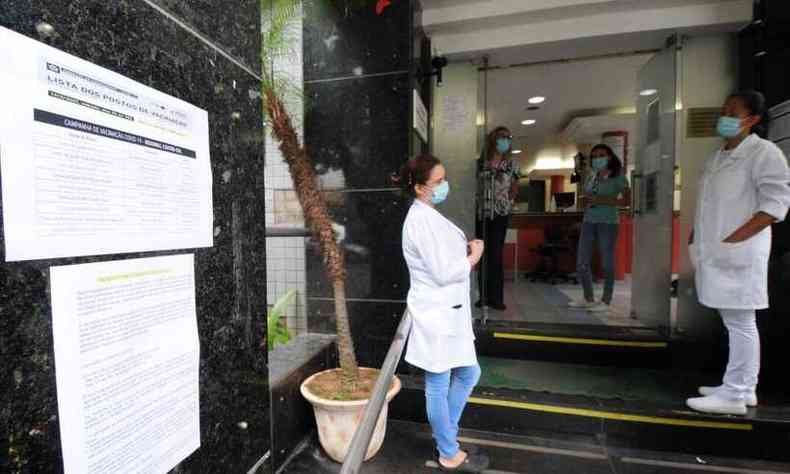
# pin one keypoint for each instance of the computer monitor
(564, 200)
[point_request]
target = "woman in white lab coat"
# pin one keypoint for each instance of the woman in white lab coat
(743, 190)
(441, 342)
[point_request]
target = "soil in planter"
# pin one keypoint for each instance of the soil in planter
(329, 387)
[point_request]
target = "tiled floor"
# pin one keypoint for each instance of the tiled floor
(408, 449)
(545, 303)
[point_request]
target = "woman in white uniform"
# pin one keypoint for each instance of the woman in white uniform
(441, 342)
(743, 190)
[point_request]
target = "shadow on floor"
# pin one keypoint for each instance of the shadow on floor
(408, 448)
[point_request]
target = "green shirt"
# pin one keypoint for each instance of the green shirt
(607, 187)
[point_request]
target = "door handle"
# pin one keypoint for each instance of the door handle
(636, 194)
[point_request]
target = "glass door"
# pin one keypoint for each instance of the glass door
(653, 181)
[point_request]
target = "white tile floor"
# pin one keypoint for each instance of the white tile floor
(545, 303)
(620, 309)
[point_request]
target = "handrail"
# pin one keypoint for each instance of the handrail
(287, 232)
(361, 440)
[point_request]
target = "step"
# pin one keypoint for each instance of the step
(625, 418)
(408, 448)
(589, 344)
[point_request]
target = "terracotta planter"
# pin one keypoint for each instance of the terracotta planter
(338, 420)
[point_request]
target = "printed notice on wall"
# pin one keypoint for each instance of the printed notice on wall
(126, 364)
(95, 163)
(455, 116)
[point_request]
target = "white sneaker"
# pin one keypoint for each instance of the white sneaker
(751, 399)
(600, 307)
(581, 304)
(717, 404)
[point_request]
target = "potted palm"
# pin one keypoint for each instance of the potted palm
(276, 331)
(338, 396)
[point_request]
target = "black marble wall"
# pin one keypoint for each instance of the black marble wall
(360, 71)
(137, 40)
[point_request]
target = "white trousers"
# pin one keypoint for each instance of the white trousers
(743, 365)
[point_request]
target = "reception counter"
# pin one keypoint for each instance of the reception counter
(531, 229)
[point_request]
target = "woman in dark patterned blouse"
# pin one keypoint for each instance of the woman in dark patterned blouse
(498, 186)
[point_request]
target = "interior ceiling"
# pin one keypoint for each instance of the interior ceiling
(570, 49)
(572, 89)
(585, 61)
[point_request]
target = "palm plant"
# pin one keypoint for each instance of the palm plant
(278, 17)
(276, 331)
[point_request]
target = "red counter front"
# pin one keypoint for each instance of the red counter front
(531, 234)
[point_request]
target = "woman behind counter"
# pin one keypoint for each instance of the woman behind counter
(743, 190)
(604, 191)
(441, 341)
(496, 204)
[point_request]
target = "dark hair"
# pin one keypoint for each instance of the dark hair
(615, 165)
(755, 102)
(490, 148)
(416, 171)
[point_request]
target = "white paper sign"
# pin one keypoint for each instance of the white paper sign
(455, 116)
(126, 364)
(95, 163)
(420, 116)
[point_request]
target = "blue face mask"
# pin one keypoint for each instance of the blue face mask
(728, 127)
(440, 192)
(503, 145)
(599, 163)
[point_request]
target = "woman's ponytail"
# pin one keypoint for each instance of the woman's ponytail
(756, 103)
(415, 171)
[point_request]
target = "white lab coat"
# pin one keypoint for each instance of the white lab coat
(435, 250)
(753, 178)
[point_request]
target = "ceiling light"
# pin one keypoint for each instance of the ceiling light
(648, 92)
(516, 152)
(528, 122)
(536, 100)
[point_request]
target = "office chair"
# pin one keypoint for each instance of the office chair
(556, 243)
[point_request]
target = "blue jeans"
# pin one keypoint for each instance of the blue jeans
(606, 234)
(446, 394)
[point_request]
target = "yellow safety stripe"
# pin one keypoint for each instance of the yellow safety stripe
(576, 340)
(612, 415)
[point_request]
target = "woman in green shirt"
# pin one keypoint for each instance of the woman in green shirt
(604, 191)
